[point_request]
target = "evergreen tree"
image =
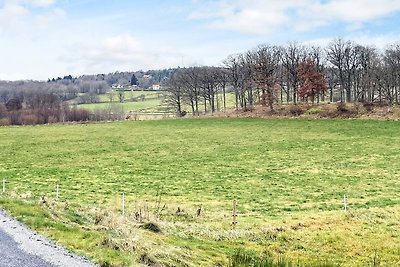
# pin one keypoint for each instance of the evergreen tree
(134, 80)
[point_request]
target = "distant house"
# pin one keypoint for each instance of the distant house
(156, 87)
(117, 86)
(147, 76)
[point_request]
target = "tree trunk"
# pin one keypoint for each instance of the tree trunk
(224, 95)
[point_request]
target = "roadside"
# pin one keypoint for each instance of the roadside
(19, 246)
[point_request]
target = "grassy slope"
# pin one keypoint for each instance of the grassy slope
(153, 102)
(289, 177)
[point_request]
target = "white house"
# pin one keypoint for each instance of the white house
(156, 87)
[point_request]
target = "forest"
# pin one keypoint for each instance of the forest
(344, 71)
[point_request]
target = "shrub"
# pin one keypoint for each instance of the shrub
(3, 111)
(312, 111)
(341, 107)
(369, 107)
(14, 117)
(151, 227)
(29, 119)
(4, 122)
(78, 115)
(296, 110)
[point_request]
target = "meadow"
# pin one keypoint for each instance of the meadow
(180, 178)
(149, 102)
(138, 101)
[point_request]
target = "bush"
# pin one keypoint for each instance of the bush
(342, 108)
(77, 115)
(296, 110)
(52, 119)
(29, 119)
(3, 111)
(369, 107)
(312, 111)
(4, 122)
(151, 227)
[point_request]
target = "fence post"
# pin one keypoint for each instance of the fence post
(234, 214)
(57, 189)
(123, 203)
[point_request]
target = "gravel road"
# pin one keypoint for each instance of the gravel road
(20, 247)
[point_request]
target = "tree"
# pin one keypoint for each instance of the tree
(343, 55)
(175, 93)
(291, 57)
(134, 80)
(266, 62)
(14, 104)
(232, 66)
(312, 81)
(121, 95)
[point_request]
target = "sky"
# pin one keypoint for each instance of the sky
(41, 39)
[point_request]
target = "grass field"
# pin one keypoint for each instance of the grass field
(287, 175)
(151, 102)
(151, 105)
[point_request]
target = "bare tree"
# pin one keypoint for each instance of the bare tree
(233, 68)
(175, 92)
(291, 56)
(267, 59)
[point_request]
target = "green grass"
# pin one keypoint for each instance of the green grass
(287, 175)
(129, 94)
(152, 102)
(151, 105)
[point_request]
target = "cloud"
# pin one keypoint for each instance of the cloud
(122, 52)
(27, 15)
(37, 3)
(379, 41)
(41, 3)
(261, 17)
(248, 16)
(354, 13)
(11, 11)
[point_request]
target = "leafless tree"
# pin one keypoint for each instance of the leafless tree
(291, 56)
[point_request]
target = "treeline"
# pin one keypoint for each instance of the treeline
(83, 89)
(38, 102)
(344, 71)
(40, 108)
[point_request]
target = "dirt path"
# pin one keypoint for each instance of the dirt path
(20, 247)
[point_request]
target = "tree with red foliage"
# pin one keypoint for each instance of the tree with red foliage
(313, 82)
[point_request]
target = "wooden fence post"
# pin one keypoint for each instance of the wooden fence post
(234, 214)
(57, 189)
(123, 204)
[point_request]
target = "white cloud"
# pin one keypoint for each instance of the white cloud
(10, 12)
(250, 16)
(378, 41)
(42, 3)
(38, 3)
(122, 52)
(39, 40)
(260, 16)
(25, 17)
